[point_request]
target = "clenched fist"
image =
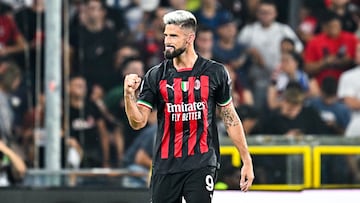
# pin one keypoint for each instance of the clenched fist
(131, 83)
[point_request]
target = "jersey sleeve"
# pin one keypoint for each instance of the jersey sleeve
(147, 93)
(223, 92)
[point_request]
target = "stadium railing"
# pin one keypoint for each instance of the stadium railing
(303, 159)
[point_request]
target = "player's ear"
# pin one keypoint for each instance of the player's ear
(191, 38)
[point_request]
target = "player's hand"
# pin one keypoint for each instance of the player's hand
(131, 83)
(247, 177)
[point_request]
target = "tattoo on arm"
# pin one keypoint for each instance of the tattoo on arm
(132, 98)
(229, 117)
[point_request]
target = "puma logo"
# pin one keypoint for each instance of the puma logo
(170, 86)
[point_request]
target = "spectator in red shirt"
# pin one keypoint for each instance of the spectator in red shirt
(330, 52)
(11, 40)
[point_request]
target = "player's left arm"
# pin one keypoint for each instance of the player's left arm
(236, 132)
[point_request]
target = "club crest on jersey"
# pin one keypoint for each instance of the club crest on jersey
(184, 86)
(197, 84)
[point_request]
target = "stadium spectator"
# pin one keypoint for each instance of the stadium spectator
(115, 104)
(348, 91)
(287, 45)
(336, 115)
(345, 11)
(125, 51)
(330, 52)
(333, 112)
(251, 7)
(210, 14)
(12, 167)
(292, 118)
(240, 10)
(116, 20)
(87, 130)
(14, 95)
(11, 40)
(93, 45)
(307, 26)
(31, 23)
(264, 35)
(10, 78)
(229, 51)
(134, 18)
(33, 136)
(204, 42)
(290, 70)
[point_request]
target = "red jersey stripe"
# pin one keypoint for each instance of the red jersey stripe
(192, 123)
(166, 136)
(204, 92)
(178, 99)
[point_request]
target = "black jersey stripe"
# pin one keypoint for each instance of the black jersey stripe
(165, 141)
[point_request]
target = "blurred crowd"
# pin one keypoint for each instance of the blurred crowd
(287, 80)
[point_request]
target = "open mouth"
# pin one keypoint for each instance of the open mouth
(169, 48)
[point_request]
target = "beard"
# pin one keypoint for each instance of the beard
(172, 54)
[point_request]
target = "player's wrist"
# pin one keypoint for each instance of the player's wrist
(246, 159)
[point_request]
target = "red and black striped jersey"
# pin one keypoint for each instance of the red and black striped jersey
(186, 100)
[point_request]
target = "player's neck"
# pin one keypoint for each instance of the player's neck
(185, 60)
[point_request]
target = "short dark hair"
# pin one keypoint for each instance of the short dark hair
(269, 2)
(203, 28)
(328, 16)
(129, 60)
(329, 86)
(288, 39)
(297, 57)
(76, 75)
(102, 3)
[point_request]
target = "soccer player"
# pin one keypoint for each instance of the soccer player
(185, 89)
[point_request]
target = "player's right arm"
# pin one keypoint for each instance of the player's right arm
(136, 114)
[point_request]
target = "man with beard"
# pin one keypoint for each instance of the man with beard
(186, 89)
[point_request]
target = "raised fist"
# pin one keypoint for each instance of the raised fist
(131, 83)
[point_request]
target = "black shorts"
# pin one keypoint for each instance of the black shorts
(195, 186)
